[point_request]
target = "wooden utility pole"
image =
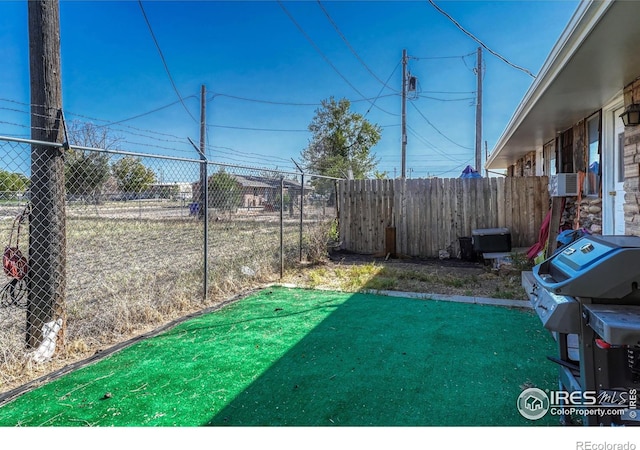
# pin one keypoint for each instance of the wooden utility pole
(486, 156)
(479, 113)
(404, 114)
(46, 279)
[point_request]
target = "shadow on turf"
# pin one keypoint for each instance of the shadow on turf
(381, 361)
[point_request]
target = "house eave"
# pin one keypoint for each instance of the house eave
(595, 56)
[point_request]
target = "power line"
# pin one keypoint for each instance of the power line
(107, 122)
(144, 144)
(137, 116)
(71, 114)
(380, 94)
(454, 169)
(446, 99)
(418, 58)
(256, 100)
(250, 154)
(437, 130)
(448, 156)
(522, 69)
(353, 51)
(395, 94)
(449, 92)
(327, 60)
(256, 129)
(177, 139)
(15, 124)
(164, 62)
(283, 103)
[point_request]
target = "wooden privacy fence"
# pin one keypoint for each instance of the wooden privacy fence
(430, 215)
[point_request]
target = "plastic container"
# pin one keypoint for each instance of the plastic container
(491, 240)
(467, 253)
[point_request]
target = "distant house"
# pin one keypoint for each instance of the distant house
(258, 191)
(169, 190)
(255, 191)
(569, 121)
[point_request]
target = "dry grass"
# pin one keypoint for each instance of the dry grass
(127, 276)
(354, 273)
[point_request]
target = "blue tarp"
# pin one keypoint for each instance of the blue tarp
(470, 172)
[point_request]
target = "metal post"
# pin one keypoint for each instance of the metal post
(301, 212)
(337, 206)
(203, 200)
(205, 208)
(205, 192)
(301, 202)
(281, 227)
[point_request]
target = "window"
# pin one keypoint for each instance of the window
(594, 175)
(549, 158)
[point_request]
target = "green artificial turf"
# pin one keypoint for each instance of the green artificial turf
(311, 358)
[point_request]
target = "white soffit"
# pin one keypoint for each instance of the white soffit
(596, 56)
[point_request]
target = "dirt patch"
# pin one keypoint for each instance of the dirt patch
(352, 272)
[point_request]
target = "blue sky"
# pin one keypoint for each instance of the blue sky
(265, 79)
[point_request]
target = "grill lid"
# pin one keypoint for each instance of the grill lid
(605, 267)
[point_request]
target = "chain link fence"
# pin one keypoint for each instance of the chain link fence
(123, 246)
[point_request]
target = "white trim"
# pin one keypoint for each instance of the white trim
(608, 158)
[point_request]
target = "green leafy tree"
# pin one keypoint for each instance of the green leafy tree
(224, 191)
(12, 183)
(87, 171)
(341, 144)
(132, 175)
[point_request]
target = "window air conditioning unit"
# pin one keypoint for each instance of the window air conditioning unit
(563, 185)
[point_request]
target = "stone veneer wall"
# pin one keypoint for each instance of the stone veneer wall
(632, 165)
(591, 214)
(586, 214)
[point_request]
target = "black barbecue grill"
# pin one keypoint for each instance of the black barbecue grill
(588, 295)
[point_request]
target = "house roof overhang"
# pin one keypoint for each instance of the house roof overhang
(596, 56)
